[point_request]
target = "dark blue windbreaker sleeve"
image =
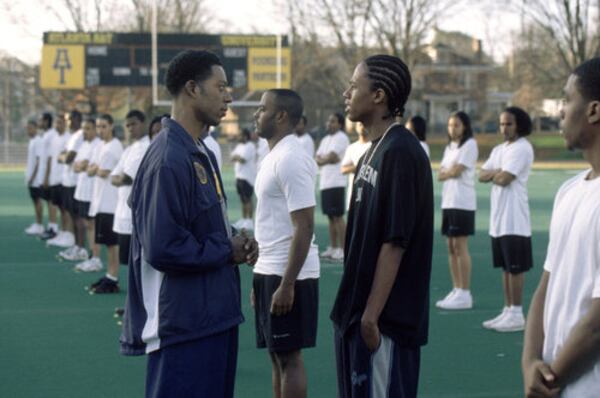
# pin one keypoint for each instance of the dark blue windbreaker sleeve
(163, 220)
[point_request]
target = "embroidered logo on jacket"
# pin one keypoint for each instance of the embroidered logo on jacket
(201, 173)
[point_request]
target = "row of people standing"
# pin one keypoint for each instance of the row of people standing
(507, 169)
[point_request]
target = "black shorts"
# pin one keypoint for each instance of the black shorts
(244, 189)
(457, 222)
(290, 332)
(333, 201)
(68, 201)
(45, 193)
(35, 193)
(512, 253)
(104, 234)
(124, 244)
(56, 195)
(82, 209)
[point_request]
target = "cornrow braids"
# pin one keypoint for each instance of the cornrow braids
(390, 74)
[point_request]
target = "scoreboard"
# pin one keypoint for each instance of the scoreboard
(76, 60)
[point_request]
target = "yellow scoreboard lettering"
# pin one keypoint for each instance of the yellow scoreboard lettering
(262, 68)
(63, 67)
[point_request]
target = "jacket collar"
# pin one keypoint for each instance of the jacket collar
(181, 135)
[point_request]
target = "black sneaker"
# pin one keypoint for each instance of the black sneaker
(47, 234)
(96, 284)
(106, 286)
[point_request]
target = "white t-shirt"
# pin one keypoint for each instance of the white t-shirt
(104, 197)
(128, 164)
(213, 145)
(331, 174)
(307, 143)
(35, 152)
(58, 144)
(47, 139)
(262, 149)
(353, 154)
(459, 193)
(69, 177)
(285, 183)
(247, 170)
(85, 184)
(425, 148)
(509, 211)
(573, 261)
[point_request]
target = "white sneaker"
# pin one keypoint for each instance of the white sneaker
(94, 264)
(63, 239)
(34, 229)
(490, 323)
(67, 252)
(337, 254)
(328, 252)
(448, 297)
(79, 253)
(512, 322)
(462, 300)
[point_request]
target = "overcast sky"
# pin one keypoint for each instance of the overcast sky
(24, 40)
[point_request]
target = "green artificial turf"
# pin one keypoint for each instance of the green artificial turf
(56, 340)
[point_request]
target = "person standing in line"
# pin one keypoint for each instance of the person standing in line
(183, 303)
(561, 351)
(104, 203)
(45, 125)
(418, 126)
(305, 139)
(83, 196)
(332, 184)
(459, 202)
(243, 157)
(508, 169)
(286, 276)
(351, 157)
(34, 153)
(381, 311)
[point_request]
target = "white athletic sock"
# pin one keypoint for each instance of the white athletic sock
(53, 226)
(112, 278)
(516, 309)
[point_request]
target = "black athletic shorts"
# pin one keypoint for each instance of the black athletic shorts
(35, 193)
(458, 222)
(244, 189)
(512, 253)
(104, 234)
(68, 201)
(56, 195)
(82, 209)
(333, 201)
(45, 193)
(290, 332)
(124, 244)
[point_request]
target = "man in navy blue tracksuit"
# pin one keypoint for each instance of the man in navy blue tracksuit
(183, 302)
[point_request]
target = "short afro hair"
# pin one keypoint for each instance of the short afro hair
(290, 102)
(390, 74)
(135, 113)
(189, 65)
(524, 125)
(588, 82)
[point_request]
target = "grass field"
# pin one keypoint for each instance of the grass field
(56, 340)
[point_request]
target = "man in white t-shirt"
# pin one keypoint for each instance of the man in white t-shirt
(286, 276)
(54, 175)
(353, 154)
(45, 125)
(243, 157)
(305, 139)
(508, 169)
(561, 353)
(123, 175)
(34, 152)
(104, 203)
(69, 181)
(332, 184)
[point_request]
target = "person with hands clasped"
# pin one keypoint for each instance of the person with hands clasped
(286, 276)
(561, 352)
(381, 311)
(183, 301)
